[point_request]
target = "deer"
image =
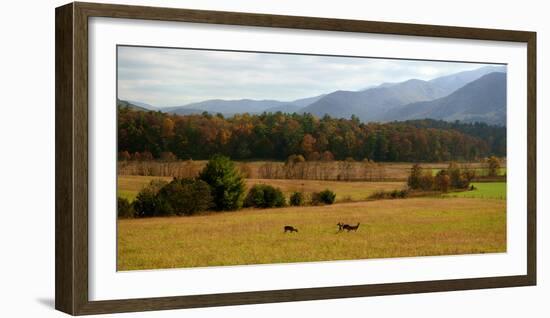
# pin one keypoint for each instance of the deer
(349, 228)
(290, 229)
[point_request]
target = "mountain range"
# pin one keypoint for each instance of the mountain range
(476, 95)
(483, 100)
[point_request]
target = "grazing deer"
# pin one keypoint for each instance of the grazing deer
(290, 229)
(348, 227)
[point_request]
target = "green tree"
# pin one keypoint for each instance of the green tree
(226, 183)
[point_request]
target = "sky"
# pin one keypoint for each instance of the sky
(165, 77)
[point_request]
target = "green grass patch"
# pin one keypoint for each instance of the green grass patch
(483, 190)
(480, 172)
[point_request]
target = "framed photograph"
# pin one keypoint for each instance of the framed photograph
(210, 158)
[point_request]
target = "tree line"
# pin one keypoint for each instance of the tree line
(276, 136)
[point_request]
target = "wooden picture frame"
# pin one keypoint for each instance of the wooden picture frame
(71, 90)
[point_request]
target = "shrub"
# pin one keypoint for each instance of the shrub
(297, 199)
(395, 194)
(124, 208)
(264, 196)
(226, 183)
(185, 196)
(459, 178)
(400, 194)
(147, 202)
(323, 197)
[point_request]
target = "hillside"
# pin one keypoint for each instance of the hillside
(483, 100)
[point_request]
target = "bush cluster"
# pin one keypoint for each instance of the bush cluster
(185, 197)
(395, 194)
(179, 197)
(323, 197)
(297, 199)
(454, 177)
(219, 186)
(147, 202)
(264, 196)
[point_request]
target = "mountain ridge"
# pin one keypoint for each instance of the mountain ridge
(483, 100)
(375, 103)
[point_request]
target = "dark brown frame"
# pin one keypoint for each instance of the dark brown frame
(71, 164)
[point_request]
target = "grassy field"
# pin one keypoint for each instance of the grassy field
(389, 228)
(484, 190)
(129, 186)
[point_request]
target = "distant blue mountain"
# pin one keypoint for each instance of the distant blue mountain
(143, 105)
(483, 100)
(384, 102)
(372, 104)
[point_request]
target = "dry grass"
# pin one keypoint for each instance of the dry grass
(345, 191)
(129, 186)
(389, 228)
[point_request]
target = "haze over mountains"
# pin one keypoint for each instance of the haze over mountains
(476, 95)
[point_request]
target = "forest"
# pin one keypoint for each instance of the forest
(275, 136)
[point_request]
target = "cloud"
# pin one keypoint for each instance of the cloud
(172, 77)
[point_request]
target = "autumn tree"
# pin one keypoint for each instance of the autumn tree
(308, 144)
(167, 127)
(493, 166)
